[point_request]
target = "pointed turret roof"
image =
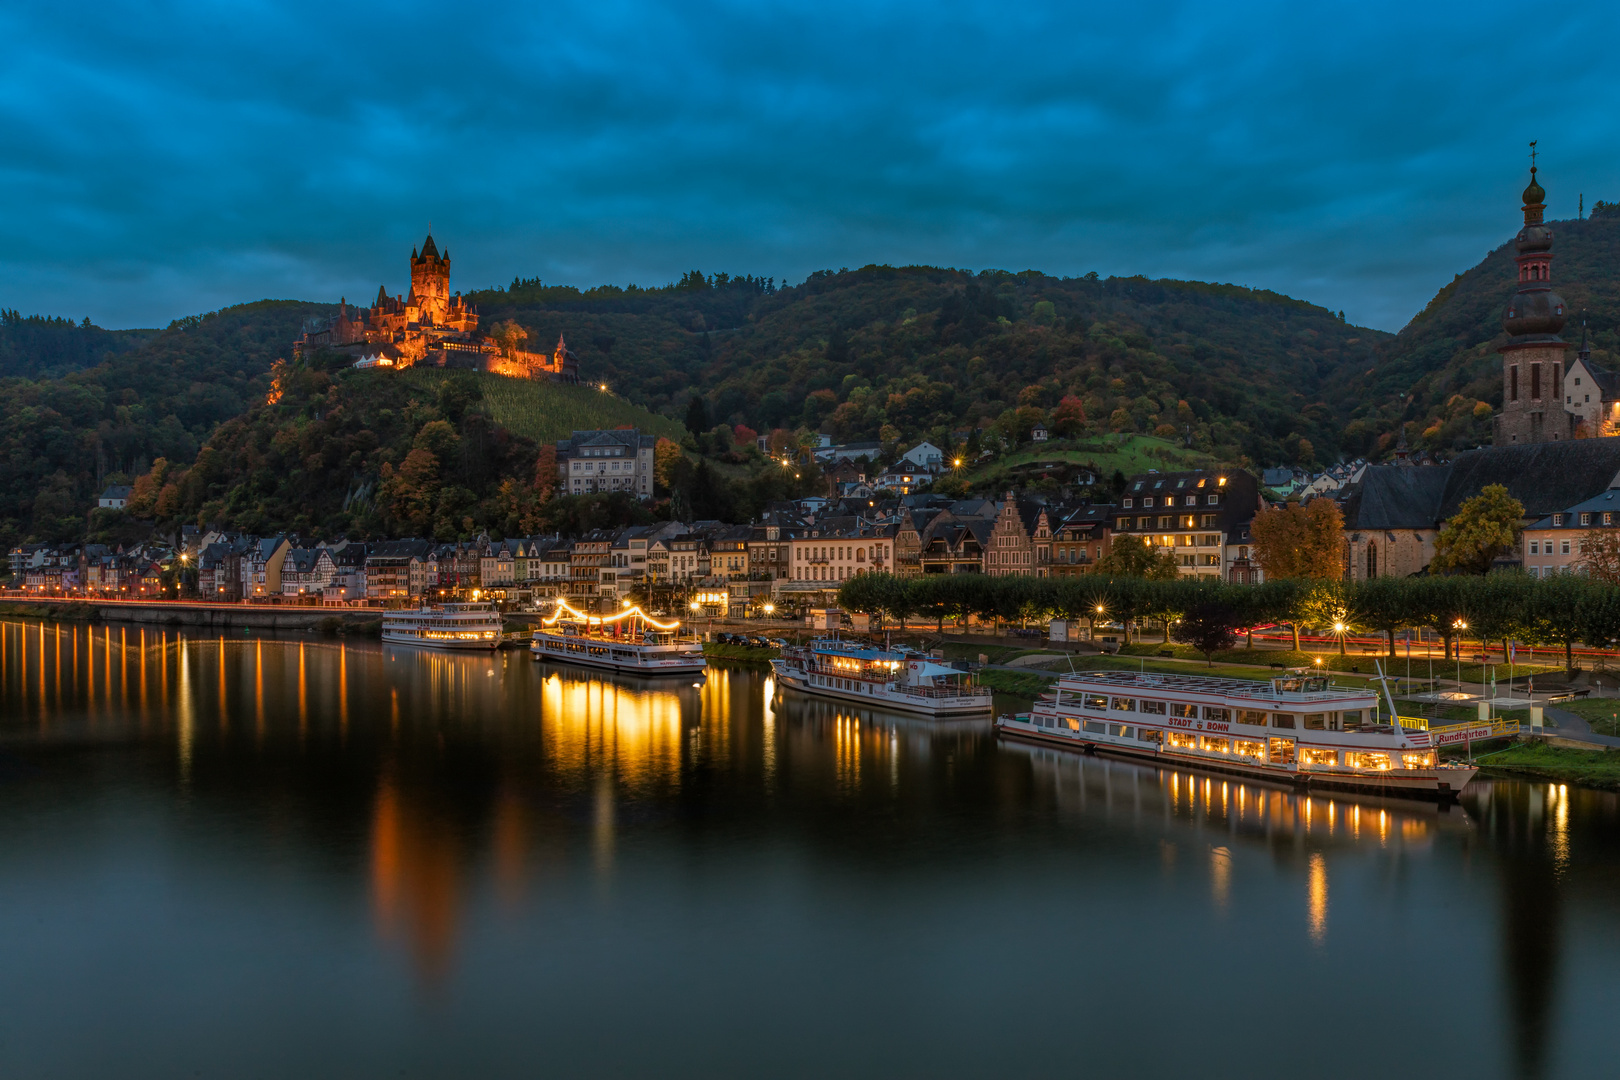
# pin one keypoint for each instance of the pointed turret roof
(429, 250)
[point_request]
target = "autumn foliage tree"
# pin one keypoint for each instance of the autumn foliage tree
(1295, 541)
(1132, 557)
(1482, 528)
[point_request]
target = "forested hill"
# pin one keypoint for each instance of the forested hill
(61, 438)
(38, 345)
(885, 352)
(1446, 358)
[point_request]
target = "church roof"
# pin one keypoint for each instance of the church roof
(1545, 477)
(1396, 497)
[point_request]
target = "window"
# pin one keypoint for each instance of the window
(1154, 707)
(1186, 712)
(1513, 382)
(1207, 521)
(1214, 500)
(1535, 382)
(1608, 519)
(1586, 519)
(1282, 720)
(1316, 721)
(1558, 519)
(1216, 746)
(1126, 503)
(1282, 750)
(1222, 715)
(1095, 727)
(1563, 547)
(1124, 704)
(1249, 716)
(1192, 500)
(1366, 760)
(1350, 720)
(1148, 502)
(1535, 547)
(1122, 731)
(1418, 761)
(1093, 701)
(1318, 757)
(1181, 740)
(1249, 748)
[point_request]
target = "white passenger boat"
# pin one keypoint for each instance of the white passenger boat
(630, 641)
(880, 678)
(444, 626)
(1294, 728)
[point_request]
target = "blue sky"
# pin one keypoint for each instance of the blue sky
(163, 159)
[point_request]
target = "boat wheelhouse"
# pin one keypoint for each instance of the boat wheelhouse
(880, 678)
(1294, 728)
(444, 626)
(629, 640)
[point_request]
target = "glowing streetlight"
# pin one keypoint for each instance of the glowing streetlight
(695, 606)
(769, 608)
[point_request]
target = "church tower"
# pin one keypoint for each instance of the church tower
(1533, 357)
(430, 282)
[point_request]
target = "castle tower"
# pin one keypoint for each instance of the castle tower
(430, 282)
(1533, 358)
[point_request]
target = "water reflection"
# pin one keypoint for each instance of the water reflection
(446, 797)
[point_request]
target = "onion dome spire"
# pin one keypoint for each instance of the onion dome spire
(1534, 311)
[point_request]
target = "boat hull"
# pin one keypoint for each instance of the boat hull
(875, 695)
(649, 666)
(1438, 783)
(391, 637)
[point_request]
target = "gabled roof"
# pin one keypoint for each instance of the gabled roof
(1545, 477)
(1396, 497)
(1609, 502)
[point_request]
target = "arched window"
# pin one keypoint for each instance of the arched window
(1372, 559)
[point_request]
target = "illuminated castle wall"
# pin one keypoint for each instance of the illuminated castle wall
(429, 325)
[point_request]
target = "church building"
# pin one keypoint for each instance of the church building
(1542, 399)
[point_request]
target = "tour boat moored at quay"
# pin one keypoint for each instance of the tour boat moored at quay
(444, 626)
(1294, 728)
(630, 641)
(880, 678)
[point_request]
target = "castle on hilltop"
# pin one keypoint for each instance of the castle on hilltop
(429, 325)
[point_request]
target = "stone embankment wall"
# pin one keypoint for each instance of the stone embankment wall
(204, 616)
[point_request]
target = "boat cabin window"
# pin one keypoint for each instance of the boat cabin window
(1181, 740)
(1093, 701)
(1217, 746)
(1300, 684)
(1249, 748)
(1094, 726)
(1146, 735)
(1282, 751)
(1124, 704)
(1350, 720)
(1249, 716)
(1316, 721)
(1222, 715)
(1319, 757)
(1282, 719)
(1418, 761)
(1366, 760)
(1122, 731)
(1154, 707)
(1186, 712)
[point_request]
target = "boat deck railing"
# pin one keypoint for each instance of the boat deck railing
(1205, 684)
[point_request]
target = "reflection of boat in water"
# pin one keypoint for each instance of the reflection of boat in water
(1235, 807)
(629, 641)
(444, 626)
(812, 709)
(880, 678)
(1294, 729)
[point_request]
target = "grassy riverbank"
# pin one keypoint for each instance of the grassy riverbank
(1027, 685)
(742, 654)
(1563, 765)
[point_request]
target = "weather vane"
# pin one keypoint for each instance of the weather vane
(1533, 154)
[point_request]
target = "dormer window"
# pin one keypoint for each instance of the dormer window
(1558, 519)
(1586, 519)
(1214, 500)
(1192, 500)
(1147, 501)
(1202, 482)
(1126, 503)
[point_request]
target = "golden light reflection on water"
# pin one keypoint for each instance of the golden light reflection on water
(415, 878)
(1316, 900)
(1220, 873)
(1558, 795)
(596, 725)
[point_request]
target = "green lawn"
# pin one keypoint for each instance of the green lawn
(1602, 713)
(547, 411)
(1591, 768)
(1019, 684)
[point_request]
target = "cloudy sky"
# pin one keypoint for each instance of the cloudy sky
(159, 159)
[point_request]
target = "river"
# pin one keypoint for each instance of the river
(306, 856)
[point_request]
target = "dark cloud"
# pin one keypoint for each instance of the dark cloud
(163, 159)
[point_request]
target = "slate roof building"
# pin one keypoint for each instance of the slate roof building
(596, 461)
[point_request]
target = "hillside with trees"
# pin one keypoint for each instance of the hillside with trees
(899, 354)
(1441, 375)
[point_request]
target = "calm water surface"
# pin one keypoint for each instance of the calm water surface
(299, 857)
